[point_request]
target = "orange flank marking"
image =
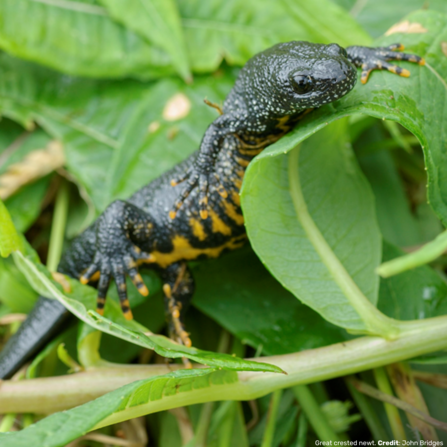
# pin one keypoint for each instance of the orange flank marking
(183, 250)
(172, 214)
(100, 311)
(218, 225)
(237, 182)
(197, 229)
(128, 315)
(243, 162)
(231, 212)
(236, 198)
(204, 214)
(282, 123)
(422, 62)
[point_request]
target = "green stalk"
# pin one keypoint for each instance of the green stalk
(48, 395)
(368, 413)
(7, 422)
(27, 420)
(302, 431)
(58, 227)
(428, 253)
(203, 424)
(201, 432)
(392, 412)
(269, 431)
(314, 415)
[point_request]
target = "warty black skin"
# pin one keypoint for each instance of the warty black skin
(165, 224)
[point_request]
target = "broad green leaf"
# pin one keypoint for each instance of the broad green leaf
(105, 126)
(235, 30)
(15, 291)
(416, 103)
(396, 221)
(159, 22)
(88, 116)
(377, 16)
(241, 295)
(9, 238)
(77, 37)
(138, 398)
(25, 205)
(131, 331)
(153, 144)
(412, 295)
(339, 202)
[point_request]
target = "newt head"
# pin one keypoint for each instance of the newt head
(291, 77)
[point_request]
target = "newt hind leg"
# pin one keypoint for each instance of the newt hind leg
(178, 288)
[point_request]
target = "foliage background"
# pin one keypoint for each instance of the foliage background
(100, 77)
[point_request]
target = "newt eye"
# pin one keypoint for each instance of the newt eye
(302, 83)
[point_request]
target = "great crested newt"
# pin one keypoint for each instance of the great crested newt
(193, 211)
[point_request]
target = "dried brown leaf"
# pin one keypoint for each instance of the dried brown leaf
(407, 28)
(35, 165)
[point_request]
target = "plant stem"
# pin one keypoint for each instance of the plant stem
(429, 252)
(438, 380)
(313, 413)
(392, 412)
(47, 395)
(395, 402)
(368, 413)
(58, 227)
(302, 431)
(7, 422)
(269, 431)
(406, 389)
(203, 424)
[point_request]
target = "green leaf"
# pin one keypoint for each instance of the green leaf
(9, 239)
(338, 201)
(241, 295)
(81, 302)
(144, 154)
(412, 295)
(159, 22)
(77, 37)
(396, 221)
(15, 291)
(377, 16)
(138, 398)
(25, 206)
(235, 30)
(105, 126)
(341, 212)
(88, 116)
